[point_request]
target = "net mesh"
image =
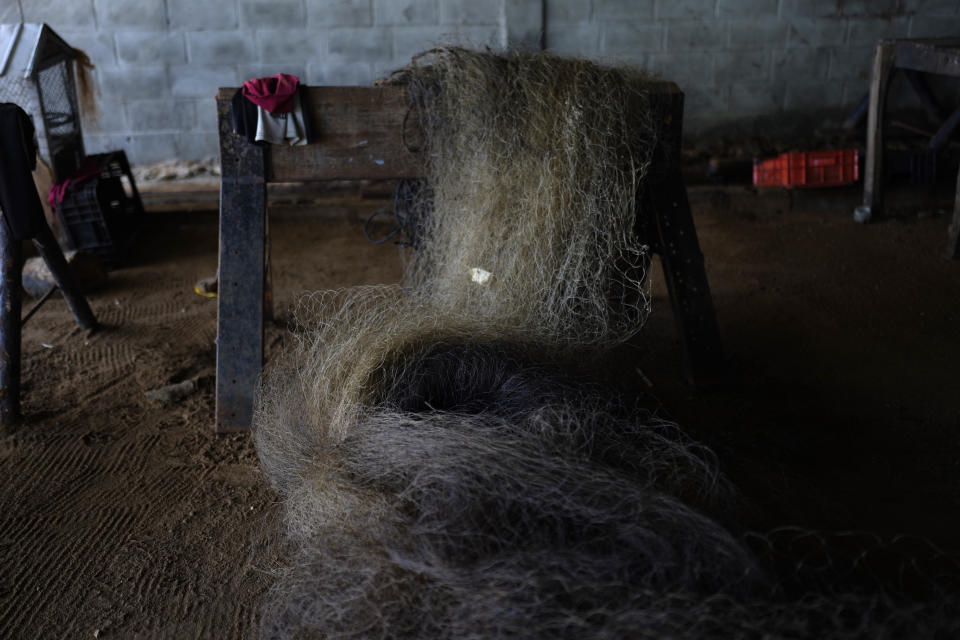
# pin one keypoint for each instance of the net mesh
(448, 465)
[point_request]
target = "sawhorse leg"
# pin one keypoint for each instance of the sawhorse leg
(243, 206)
(686, 277)
(671, 231)
(953, 233)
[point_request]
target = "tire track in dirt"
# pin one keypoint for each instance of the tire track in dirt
(29, 574)
(52, 462)
(111, 533)
(160, 312)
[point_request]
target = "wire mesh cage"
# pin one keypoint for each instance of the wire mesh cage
(37, 73)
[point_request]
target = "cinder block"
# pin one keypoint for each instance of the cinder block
(811, 8)
(104, 142)
(405, 12)
(800, 63)
(383, 68)
(747, 8)
(704, 102)
(935, 27)
(207, 117)
(523, 24)
(469, 12)
(408, 41)
(197, 146)
(872, 7)
(854, 91)
(864, 31)
(693, 126)
(155, 47)
(144, 14)
(147, 83)
(742, 66)
(291, 46)
(851, 63)
(220, 47)
(209, 14)
(161, 115)
(198, 81)
(573, 40)
(604, 10)
(688, 70)
(10, 12)
(820, 94)
(59, 13)
(557, 12)
(837, 8)
(361, 44)
(750, 34)
(696, 36)
(343, 74)
(263, 70)
(148, 148)
(98, 46)
(685, 10)
(935, 8)
(631, 39)
(272, 14)
(340, 13)
(817, 32)
(755, 99)
(108, 118)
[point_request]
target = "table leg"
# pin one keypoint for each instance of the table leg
(872, 207)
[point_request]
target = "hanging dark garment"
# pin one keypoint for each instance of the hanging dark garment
(245, 115)
(18, 157)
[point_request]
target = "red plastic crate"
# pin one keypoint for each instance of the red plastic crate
(833, 168)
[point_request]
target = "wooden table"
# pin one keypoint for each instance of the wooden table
(935, 55)
(359, 137)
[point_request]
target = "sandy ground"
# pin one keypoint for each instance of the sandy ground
(124, 517)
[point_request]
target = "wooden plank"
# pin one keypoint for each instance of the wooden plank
(941, 56)
(358, 133)
(243, 204)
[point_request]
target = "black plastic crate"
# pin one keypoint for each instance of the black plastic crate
(99, 215)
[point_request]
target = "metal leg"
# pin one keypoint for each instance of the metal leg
(953, 233)
(48, 248)
(11, 263)
(240, 298)
(872, 206)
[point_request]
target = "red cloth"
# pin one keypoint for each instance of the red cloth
(89, 169)
(275, 94)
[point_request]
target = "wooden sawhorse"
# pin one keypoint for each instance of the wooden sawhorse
(359, 136)
(935, 55)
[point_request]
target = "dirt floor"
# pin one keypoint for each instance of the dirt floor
(122, 516)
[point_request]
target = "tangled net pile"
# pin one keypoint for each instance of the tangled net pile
(447, 468)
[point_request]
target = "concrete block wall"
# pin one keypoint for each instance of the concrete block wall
(159, 62)
(738, 60)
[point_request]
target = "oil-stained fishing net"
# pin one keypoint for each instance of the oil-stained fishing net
(448, 467)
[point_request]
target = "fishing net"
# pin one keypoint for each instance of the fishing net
(449, 466)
